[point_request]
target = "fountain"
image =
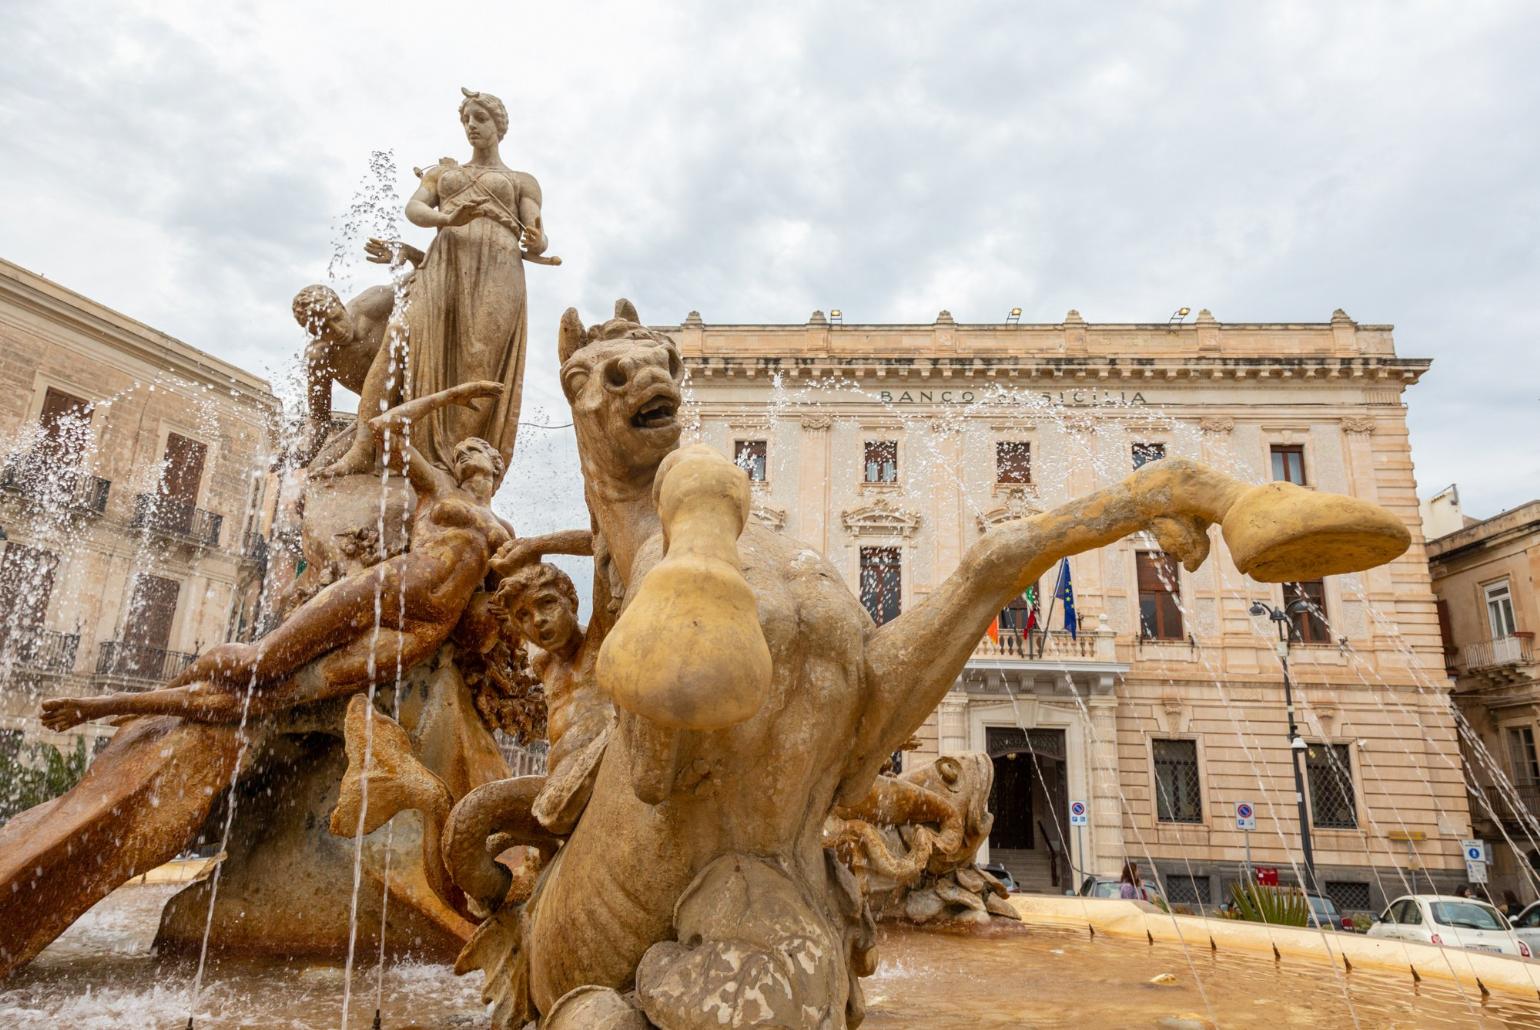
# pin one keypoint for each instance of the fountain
(715, 829)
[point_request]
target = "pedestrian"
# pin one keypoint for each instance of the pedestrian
(1130, 889)
(1511, 906)
(1464, 891)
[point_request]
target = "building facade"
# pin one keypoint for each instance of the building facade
(893, 448)
(132, 473)
(1486, 575)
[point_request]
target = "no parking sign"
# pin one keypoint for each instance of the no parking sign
(1077, 813)
(1245, 816)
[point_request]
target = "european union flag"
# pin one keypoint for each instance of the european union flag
(1065, 592)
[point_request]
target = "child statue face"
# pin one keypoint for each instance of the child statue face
(545, 618)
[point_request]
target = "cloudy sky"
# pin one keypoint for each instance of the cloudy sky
(193, 164)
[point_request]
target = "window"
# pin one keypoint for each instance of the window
(65, 421)
(882, 461)
(1289, 463)
(1405, 913)
(1182, 889)
(1013, 461)
(26, 584)
(1348, 895)
(1330, 769)
(749, 455)
(1144, 453)
(1160, 611)
(1310, 626)
(881, 580)
(1521, 755)
(1500, 610)
(1177, 797)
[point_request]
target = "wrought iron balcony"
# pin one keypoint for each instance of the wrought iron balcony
(174, 517)
(45, 651)
(1487, 655)
(254, 547)
(44, 482)
(131, 660)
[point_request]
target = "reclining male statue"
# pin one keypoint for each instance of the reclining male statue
(331, 645)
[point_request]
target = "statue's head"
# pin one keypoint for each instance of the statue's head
(477, 465)
(964, 780)
(482, 115)
(321, 313)
(542, 602)
(623, 382)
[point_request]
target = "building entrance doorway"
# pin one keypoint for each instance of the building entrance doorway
(1030, 802)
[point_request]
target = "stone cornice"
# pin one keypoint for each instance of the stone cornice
(55, 304)
(1061, 373)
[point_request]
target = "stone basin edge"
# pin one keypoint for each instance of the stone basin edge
(1139, 919)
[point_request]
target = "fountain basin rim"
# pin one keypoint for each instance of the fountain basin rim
(1468, 970)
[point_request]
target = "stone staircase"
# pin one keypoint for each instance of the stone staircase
(1030, 870)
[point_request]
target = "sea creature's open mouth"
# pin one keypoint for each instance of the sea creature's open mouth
(656, 412)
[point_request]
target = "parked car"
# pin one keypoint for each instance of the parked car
(1450, 922)
(1323, 913)
(1002, 874)
(1526, 926)
(1111, 887)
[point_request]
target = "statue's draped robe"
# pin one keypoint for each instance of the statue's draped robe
(466, 312)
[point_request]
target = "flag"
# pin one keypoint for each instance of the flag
(1065, 592)
(994, 630)
(1030, 596)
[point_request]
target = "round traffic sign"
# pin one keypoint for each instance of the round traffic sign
(1077, 808)
(1473, 854)
(1243, 810)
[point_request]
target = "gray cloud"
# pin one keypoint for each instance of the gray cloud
(892, 160)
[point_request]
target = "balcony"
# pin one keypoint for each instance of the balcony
(52, 484)
(44, 651)
(1500, 661)
(1051, 647)
(176, 518)
(126, 659)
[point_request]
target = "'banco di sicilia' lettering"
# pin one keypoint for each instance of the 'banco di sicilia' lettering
(1087, 398)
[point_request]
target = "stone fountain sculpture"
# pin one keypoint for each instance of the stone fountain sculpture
(727, 698)
(912, 842)
(454, 342)
(754, 704)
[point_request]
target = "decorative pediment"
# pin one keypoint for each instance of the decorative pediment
(817, 423)
(1217, 424)
(880, 518)
(1018, 505)
(1358, 424)
(768, 515)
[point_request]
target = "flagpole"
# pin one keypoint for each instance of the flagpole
(1048, 618)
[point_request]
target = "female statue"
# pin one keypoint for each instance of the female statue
(465, 311)
(363, 628)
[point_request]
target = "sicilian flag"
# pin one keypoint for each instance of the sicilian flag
(1065, 592)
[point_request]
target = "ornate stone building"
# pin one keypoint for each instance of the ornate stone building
(892, 448)
(132, 475)
(1487, 577)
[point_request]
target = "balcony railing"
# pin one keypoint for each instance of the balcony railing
(1054, 646)
(1490, 654)
(254, 547)
(44, 482)
(41, 650)
(175, 517)
(139, 661)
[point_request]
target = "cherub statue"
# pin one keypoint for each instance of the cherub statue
(363, 628)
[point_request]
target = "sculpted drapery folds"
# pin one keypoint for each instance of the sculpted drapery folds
(464, 316)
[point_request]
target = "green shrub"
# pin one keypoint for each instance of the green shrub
(1278, 906)
(38, 772)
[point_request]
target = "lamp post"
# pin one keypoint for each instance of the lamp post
(1284, 618)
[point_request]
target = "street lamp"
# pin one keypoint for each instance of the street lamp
(1284, 617)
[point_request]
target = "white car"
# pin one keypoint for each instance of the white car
(1526, 926)
(1448, 921)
